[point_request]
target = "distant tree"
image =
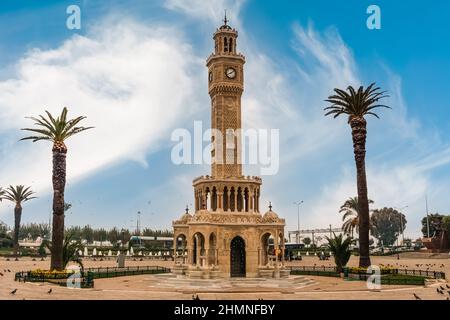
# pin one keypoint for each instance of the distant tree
(87, 234)
(17, 194)
(350, 215)
(100, 234)
(3, 230)
(436, 224)
(446, 226)
(387, 224)
(407, 242)
(113, 236)
(306, 241)
(76, 232)
(34, 230)
(157, 233)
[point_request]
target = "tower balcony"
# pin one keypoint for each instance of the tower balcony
(229, 55)
(230, 194)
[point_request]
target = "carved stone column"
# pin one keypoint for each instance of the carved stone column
(219, 200)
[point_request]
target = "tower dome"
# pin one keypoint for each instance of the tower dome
(185, 217)
(270, 216)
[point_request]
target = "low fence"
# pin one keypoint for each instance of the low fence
(388, 276)
(314, 271)
(85, 278)
(111, 272)
(427, 274)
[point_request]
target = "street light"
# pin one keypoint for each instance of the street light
(298, 203)
(401, 221)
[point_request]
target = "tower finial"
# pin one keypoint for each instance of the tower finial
(270, 205)
(187, 209)
(225, 20)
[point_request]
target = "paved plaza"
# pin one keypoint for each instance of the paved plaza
(168, 287)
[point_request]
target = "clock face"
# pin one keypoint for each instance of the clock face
(210, 76)
(231, 73)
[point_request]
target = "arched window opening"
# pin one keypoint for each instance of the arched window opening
(225, 45)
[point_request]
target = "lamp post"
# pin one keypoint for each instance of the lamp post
(401, 221)
(428, 218)
(298, 203)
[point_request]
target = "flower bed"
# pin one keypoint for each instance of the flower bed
(47, 274)
(383, 270)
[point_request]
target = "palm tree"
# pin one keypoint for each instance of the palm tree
(57, 131)
(340, 249)
(18, 195)
(356, 105)
(70, 250)
(350, 210)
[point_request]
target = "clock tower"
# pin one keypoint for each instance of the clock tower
(227, 236)
(225, 87)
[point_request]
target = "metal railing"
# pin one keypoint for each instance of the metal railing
(314, 271)
(111, 272)
(394, 276)
(88, 275)
(85, 279)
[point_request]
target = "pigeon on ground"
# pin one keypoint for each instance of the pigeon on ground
(417, 297)
(14, 291)
(49, 291)
(1, 274)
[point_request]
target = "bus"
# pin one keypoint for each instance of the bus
(143, 242)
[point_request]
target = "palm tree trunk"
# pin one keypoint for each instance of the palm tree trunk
(17, 217)
(59, 182)
(359, 133)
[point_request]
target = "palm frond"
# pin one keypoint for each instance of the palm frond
(355, 103)
(18, 194)
(54, 129)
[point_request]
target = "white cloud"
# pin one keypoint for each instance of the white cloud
(131, 81)
(213, 10)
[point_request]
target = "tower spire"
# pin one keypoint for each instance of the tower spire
(225, 20)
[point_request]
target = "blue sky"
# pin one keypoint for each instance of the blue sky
(137, 71)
